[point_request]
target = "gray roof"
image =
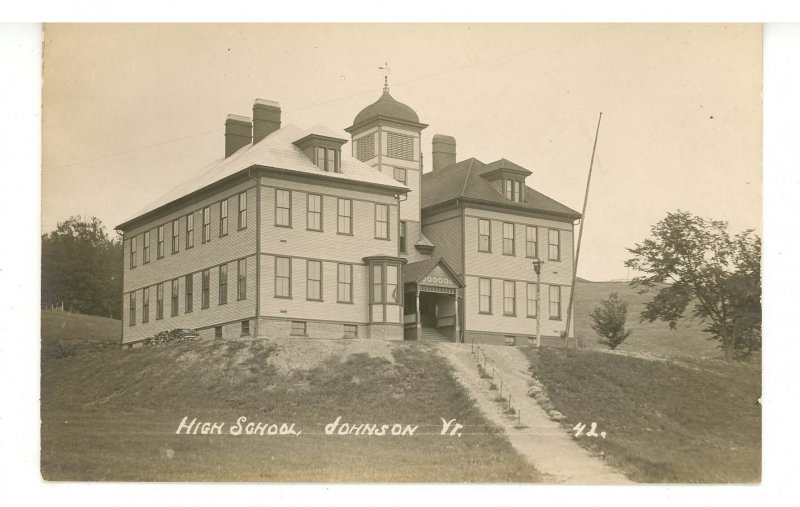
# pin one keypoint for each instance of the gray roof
(414, 271)
(387, 107)
(464, 180)
(277, 151)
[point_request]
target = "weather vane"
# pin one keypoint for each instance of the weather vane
(385, 70)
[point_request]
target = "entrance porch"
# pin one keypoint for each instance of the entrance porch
(432, 308)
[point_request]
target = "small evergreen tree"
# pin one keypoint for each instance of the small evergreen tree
(609, 321)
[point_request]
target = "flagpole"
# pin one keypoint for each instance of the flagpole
(580, 236)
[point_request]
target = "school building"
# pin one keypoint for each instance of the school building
(295, 233)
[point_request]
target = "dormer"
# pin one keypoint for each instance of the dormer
(507, 178)
(323, 149)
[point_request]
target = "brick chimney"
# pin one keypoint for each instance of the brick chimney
(444, 151)
(266, 118)
(238, 133)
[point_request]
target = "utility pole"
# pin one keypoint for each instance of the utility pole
(537, 267)
(580, 235)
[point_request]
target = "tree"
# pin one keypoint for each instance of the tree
(703, 266)
(82, 268)
(608, 320)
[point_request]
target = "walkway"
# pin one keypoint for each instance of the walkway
(544, 442)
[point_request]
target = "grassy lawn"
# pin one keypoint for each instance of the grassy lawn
(75, 327)
(695, 421)
(653, 338)
(112, 415)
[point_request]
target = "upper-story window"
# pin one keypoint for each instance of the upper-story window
(508, 238)
(160, 243)
(223, 218)
(314, 212)
(146, 249)
(345, 216)
(531, 243)
(328, 159)
(513, 190)
(206, 224)
(243, 210)
(400, 146)
(364, 148)
(401, 175)
(403, 234)
(190, 230)
(176, 235)
(132, 259)
(283, 208)
(484, 235)
(554, 247)
(382, 221)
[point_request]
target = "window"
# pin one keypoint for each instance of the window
(345, 214)
(484, 235)
(283, 277)
(189, 303)
(283, 208)
(314, 280)
(132, 309)
(190, 230)
(350, 331)
(377, 283)
(401, 175)
(206, 287)
(145, 305)
(554, 251)
(328, 159)
(485, 295)
(510, 340)
(508, 239)
(298, 328)
(403, 228)
(160, 242)
(509, 298)
(223, 218)
(243, 210)
(218, 332)
(381, 221)
(132, 259)
(365, 147)
(532, 304)
(245, 328)
(392, 294)
(174, 306)
(206, 224)
(146, 249)
(176, 235)
(513, 190)
(159, 301)
(531, 249)
(344, 282)
(314, 212)
(555, 302)
(241, 279)
(400, 146)
(222, 298)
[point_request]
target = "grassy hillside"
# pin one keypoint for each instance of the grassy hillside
(113, 415)
(67, 326)
(653, 338)
(694, 421)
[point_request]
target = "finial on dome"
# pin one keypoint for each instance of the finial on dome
(385, 70)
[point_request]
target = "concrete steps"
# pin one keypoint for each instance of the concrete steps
(432, 335)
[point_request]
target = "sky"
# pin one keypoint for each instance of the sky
(130, 111)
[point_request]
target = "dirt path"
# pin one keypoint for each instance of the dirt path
(549, 447)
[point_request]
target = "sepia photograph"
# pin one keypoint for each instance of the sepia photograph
(401, 253)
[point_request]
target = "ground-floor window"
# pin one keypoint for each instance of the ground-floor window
(298, 328)
(485, 295)
(555, 302)
(350, 331)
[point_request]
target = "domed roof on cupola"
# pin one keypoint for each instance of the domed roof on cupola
(386, 107)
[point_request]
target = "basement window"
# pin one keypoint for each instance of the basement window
(245, 328)
(298, 328)
(218, 332)
(350, 331)
(510, 340)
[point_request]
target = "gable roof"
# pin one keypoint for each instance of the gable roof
(415, 271)
(277, 151)
(464, 180)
